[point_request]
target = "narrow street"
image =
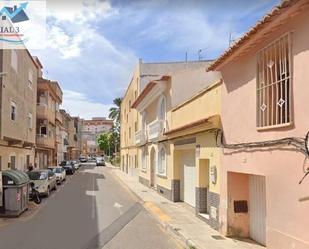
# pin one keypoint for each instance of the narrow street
(90, 210)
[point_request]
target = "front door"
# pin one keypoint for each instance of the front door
(152, 168)
(188, 177)
(257, 207)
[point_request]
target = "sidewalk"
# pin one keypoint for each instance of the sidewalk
(180, 219)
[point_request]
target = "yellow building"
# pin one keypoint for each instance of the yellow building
(179, 156)
(130, 118)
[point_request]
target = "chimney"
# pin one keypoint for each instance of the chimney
(15, 7)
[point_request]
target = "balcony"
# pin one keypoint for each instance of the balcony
(58, 139)
(140, 137)
(156, 129)
(44, 141)
(59, 117)
(43, 112)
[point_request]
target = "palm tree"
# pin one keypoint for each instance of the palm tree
(114, 112)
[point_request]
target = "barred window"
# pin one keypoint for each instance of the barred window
(274, 82)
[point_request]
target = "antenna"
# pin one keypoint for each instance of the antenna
(231, 40)
(199, 53)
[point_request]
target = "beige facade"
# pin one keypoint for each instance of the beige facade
(91, 129)
(178, 153)
(18, 83)
(49, 121)
(131, 119)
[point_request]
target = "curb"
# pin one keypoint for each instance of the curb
(167, 227)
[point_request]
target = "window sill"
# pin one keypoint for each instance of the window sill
(144, 170)
(162, 176)
(274, 127)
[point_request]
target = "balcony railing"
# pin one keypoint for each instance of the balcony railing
(156, 129)
(42, 140)
(59, 116)
(43, 112)
(140, 137)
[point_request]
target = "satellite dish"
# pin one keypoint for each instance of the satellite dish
(307, 143)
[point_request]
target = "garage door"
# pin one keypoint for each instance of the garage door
(188, 183)
(257, 208)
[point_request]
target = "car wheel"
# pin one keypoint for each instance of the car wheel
(55, 188)
(48, 192)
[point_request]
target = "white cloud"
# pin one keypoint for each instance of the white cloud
(71, 26)
(78, 104)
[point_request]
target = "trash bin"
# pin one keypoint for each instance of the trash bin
(15, 193)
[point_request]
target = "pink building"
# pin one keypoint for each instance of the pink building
(265, 119)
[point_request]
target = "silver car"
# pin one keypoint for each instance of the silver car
(59, 172)
(44, 181)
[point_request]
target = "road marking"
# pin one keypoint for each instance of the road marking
(93, 200)
(118, 206)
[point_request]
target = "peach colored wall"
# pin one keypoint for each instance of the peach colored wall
(287, 216)
(238, 189)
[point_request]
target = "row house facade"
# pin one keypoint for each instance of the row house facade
(131, 119)
(70, 135)
(264, 126)
(49, 121)
(18, 83)
(91, 129)
(178, 153)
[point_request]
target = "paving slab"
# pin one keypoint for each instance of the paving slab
(180, 219)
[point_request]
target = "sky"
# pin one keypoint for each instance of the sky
(93, 46)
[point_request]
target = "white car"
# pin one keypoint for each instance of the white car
(60, 173)
(76, 164)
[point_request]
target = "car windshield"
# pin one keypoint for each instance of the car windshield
(37, 175)
(57, 170)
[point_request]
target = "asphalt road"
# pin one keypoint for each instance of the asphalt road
(91, 210)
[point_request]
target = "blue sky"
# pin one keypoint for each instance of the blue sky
(94, 45)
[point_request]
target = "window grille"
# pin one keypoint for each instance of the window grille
(274, 83)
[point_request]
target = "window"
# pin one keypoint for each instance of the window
(274, 79)
(13, 162)
(13, 111)
(135, 160)
(129, 132)
(29, 120)
(162, 161)
(135, 126)
(30, 78)
(162, 108)
(144, 159)
(14, 60)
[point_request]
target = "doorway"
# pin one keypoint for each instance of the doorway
(152, 167)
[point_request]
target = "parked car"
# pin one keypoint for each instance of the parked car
(63, 163)
(69, 168)
(44, 181)
(83, 159)
(100, 161)
(59, 172)
(76, 164)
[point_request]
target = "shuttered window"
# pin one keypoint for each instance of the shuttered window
(274, 83)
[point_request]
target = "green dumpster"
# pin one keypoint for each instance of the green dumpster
(15, 185)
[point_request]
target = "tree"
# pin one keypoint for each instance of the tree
(114, 112)
(104, 143)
